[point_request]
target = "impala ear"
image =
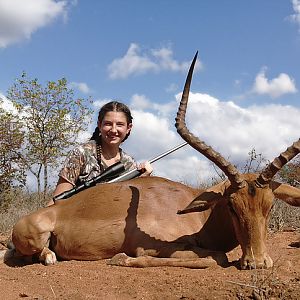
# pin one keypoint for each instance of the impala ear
(286, 193)
(202, 202)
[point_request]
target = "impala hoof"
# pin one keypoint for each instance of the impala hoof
(119, 259)
(50, 259)
(47, 257)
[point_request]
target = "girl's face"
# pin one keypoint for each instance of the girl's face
(114, 128)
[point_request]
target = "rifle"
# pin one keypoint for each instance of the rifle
(111, 172)
(110, 175)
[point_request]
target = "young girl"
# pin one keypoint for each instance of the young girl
(103, 150)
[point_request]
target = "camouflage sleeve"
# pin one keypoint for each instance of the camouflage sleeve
(72, 166)
(128, 162)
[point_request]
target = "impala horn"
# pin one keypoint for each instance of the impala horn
(270, 171)
(229, 170)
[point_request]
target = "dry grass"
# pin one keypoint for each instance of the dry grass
(15, 204)
(264, 284)
(284, 217)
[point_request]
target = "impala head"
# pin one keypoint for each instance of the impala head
(249, 196)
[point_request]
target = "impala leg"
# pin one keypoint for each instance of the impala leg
(193, 252)
(195, 258)
(31, 236)
(121, 259)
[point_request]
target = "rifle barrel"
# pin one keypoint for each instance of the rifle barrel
(167, 153)
(135, 172)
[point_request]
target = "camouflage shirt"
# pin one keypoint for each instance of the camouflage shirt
(82, 165)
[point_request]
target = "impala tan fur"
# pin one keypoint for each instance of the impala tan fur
(141, 222)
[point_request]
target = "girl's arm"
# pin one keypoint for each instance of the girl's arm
(62, 186)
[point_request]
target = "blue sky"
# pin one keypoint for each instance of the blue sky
(245, 91)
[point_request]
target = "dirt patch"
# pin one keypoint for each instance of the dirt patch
(96, 280)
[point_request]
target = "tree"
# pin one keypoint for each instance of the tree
(12, 171)
(52, 119)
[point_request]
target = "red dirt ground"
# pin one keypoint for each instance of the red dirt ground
(96, 280)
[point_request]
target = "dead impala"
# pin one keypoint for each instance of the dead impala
(141, 223)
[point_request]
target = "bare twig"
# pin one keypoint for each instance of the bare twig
(242, 284)
(52, 291)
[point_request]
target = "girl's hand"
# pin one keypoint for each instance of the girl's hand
(146, 168)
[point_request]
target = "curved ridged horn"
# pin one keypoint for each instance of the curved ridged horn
(269, 172)
(230, 171)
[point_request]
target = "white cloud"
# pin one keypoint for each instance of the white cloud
(19, 19)
(7, 104)
(231, 130)
(81, 86)
(133, 63)
(100, 102)
(140, 102)
(275, 87)
(295, 18)
(166, 61)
